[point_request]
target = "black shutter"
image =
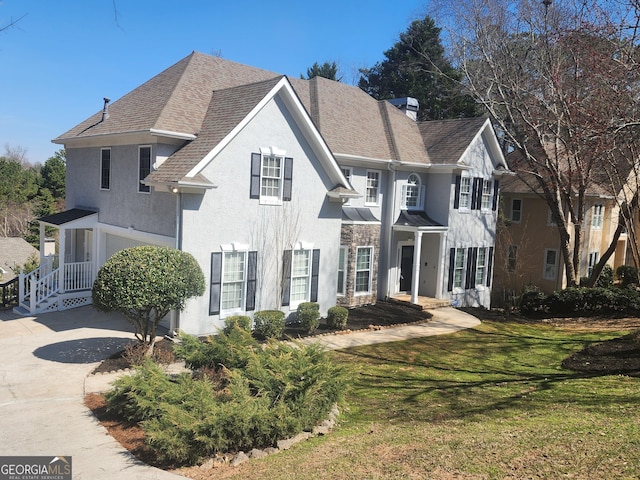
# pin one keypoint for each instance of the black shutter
(252, 266)
(315, 269)
(286, 277)
(476, 195)
(216, 283)
(288, 177)
(496, 189)
(468, 281)
(452, 265)
(474, 267)
(456, 198)
(489, 266)
(254, 191)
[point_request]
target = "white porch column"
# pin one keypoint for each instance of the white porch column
(42, 234)
(415, 279)
(443, 256)
(61, 259)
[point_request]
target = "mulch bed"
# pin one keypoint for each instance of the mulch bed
(375, 316)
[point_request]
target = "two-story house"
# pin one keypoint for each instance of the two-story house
(528, 246)
(285, 191)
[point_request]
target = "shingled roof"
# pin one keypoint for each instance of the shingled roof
(207, 97)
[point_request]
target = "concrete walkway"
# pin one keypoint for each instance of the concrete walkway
(45, 364)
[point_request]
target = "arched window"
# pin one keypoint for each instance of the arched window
(412, 193)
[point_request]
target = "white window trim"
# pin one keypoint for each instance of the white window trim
(241, 309)
(366, 188)
(140, 185)
(101, 169)
(512, 210)
(272, 200)
(594, 258)
(469, 193)
(482, 283)
(460, 289)
(597, 216)
(419, 201)
(545, 264)
(355, 274)
(344, 251)
(348, 173)
(488, 196)
(301, 247)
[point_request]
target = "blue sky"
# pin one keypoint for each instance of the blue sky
(64, 56)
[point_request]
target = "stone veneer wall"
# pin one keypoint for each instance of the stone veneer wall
(353, 236)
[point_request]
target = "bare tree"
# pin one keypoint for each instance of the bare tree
(561, 82)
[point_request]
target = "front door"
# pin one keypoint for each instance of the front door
(406, 268)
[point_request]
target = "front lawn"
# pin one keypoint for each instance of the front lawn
(492, 402)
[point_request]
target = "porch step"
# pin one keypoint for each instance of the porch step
(22, 311)
(424, 303)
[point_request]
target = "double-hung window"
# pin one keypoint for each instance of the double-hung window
(465, 192)
(487, 195)
(481, 266)
(233, 281)
(342, 271)
(550, 264)
(144, 168)
(373, 187)
(593, 260)
(300, 276)
(458, 268)
(271, 177)
(516, 210)
(105, 168)
(364, 264)
(597, 216)
(412, 193)
(348, 173)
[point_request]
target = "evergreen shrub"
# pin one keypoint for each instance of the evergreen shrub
(242, 321)
(308, 315)
(269, 323)
(337, 317)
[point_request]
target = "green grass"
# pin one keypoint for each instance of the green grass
(491, 402)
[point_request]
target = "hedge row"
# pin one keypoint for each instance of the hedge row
(580, 301)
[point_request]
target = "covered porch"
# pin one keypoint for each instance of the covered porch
(419, 269)
(64, 278)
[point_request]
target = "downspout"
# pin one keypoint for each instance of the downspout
(174, 322)
(388, 223)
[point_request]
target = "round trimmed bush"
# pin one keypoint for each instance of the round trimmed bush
(269, 323)
(308, 315)
(337, 317)
(241, 321)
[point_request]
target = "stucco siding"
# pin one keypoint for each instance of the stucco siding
(226, 216)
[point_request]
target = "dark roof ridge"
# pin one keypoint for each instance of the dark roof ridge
(384, 105)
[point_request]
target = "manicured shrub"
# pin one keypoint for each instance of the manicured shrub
(269, 323)
(567, 301)
(242, 321)
(337, 317)
(532, 300)
(230, 350)
(308, 315)
(605, 280)
(627, 274)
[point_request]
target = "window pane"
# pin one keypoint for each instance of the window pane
(271, 178)
(487, 194)
(458, 268)
(373, 181)
(363, 270)
(144, 168)
(105, 169)
(341, 270)
(465, 192)
(233, 280)
(480, 265)
(300, 275)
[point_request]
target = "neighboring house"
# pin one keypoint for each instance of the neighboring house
(285, 190)
(14, 253)
(528, 250)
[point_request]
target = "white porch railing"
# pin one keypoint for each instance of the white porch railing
(38, 286)
(78, 276)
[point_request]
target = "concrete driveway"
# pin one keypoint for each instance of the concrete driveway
(44, 362)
